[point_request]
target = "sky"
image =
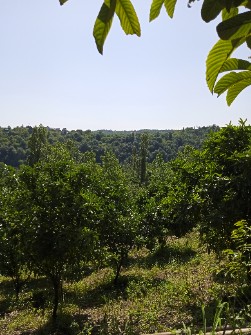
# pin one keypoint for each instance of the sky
(52, 74)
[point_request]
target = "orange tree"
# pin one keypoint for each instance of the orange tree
(118, 227)
(57, 219)
(13, 262)
(225, 187)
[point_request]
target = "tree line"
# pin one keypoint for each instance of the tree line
(63, 213)
(14, 148)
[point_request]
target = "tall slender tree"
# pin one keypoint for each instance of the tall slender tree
(36, 143)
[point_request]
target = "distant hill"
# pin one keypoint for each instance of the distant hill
(14, 142)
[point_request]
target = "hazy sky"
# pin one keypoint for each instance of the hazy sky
(52, 74)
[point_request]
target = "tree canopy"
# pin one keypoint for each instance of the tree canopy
(19, 145)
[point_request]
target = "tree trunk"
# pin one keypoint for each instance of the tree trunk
(119, 263)
(118, 268)
(17, 285)
(56, 286)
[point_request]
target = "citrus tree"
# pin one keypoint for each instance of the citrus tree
(60, 209)
(225, 184)
(233, 31)
(13, 262)
(118, 226)
(169, 204)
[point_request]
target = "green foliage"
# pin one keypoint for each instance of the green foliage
(169, 204)
(211, 9)
(234, 83)
(225, 184)
(128, 17)
(235, 27)
(170, 6)
(149, 202)
(234, 30)
(13, 261)
(209, 188)
(36, 144)
(143, 157)
(157, 297)
(126, 14)
(118, 226)
(15, 143)
(155, 9)
(103, 23)
(216, 58)
(72, 218)
(182, 199)
(158, 4)
(239, 256)
(236, 64)
(221, 309)
(56, 217)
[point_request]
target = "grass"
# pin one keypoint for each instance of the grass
(157, 292)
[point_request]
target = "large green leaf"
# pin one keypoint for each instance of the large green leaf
(211, 9)
(248, 42)
(62, 2)
(157, 5)
(170, 6)
(103, 23)
(229, 80)
(246, 3)
(216, 58)
(235, 90)
(237, 3)
(235, 27)
(155, 9)
(236, 64)
(128, 17)
(227, 14)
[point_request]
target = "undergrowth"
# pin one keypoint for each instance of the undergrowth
(157, 291)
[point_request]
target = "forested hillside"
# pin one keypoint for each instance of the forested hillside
(14, 142)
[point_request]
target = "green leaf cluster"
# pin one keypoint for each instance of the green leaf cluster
(233, 31)
(126, 14)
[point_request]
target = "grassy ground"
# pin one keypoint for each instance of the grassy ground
(156, 292)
